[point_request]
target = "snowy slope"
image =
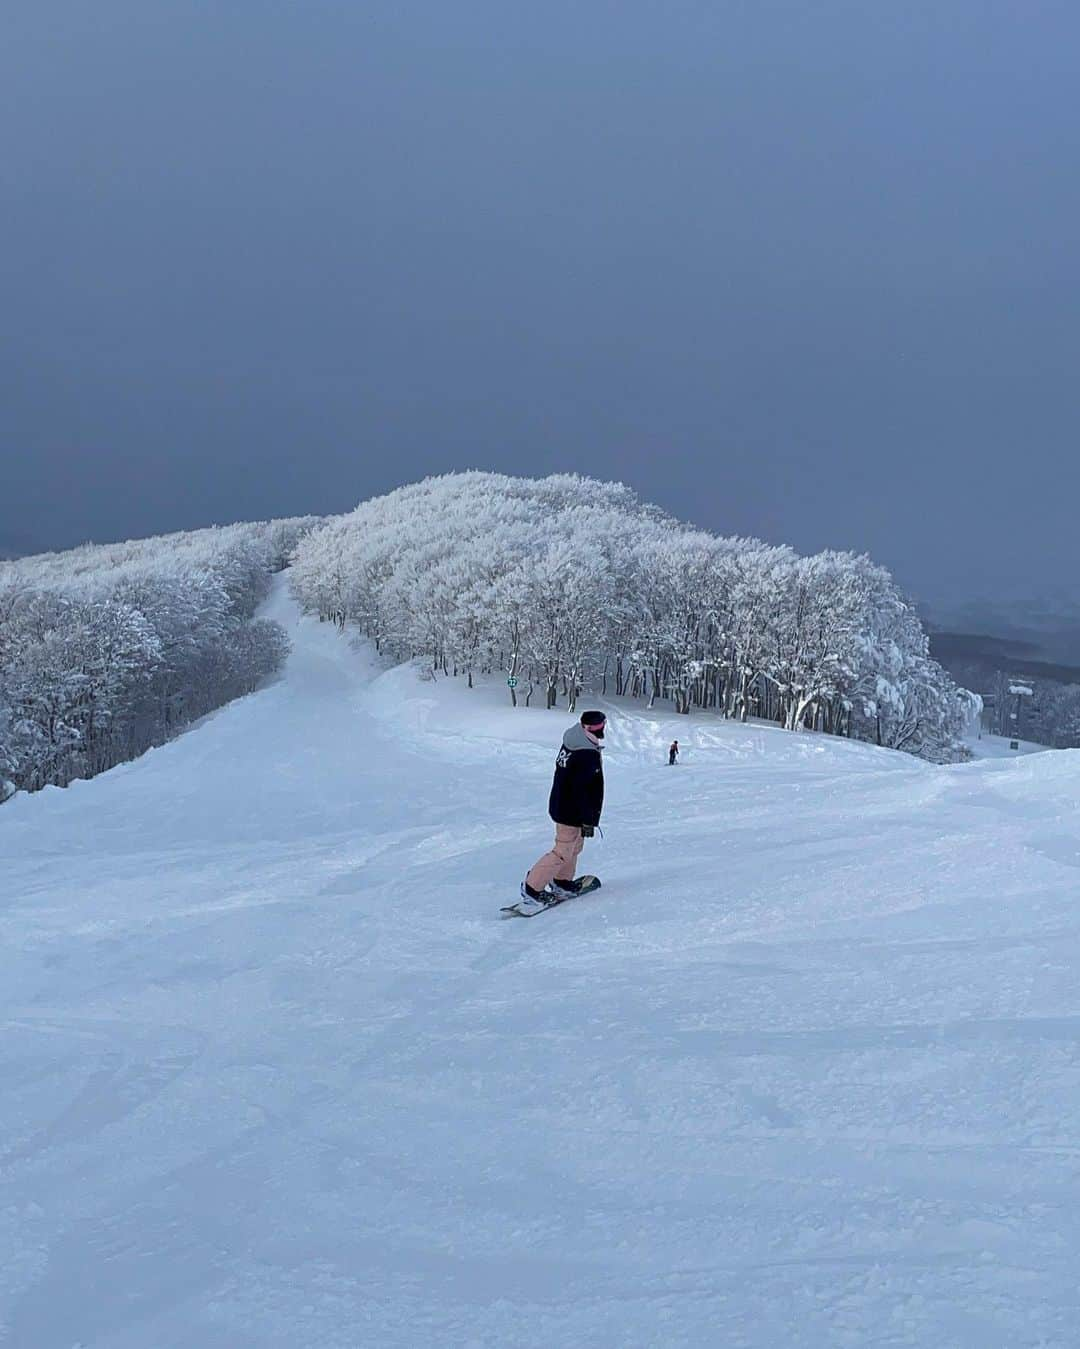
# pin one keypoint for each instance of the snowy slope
(806, 1072)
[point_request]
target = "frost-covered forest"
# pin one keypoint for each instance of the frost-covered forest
(106, 650)
(561, 584)
(565, 584)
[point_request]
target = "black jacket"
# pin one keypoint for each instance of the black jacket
(577, 794)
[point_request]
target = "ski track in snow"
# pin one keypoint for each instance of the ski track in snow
(805, 1072)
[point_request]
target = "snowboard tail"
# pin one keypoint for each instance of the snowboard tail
(548, 900)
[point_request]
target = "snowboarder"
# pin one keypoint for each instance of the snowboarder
(673, 752)
(577, 798)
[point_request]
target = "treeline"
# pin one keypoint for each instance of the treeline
(564, 583)
(107, 650)
(1049, 715)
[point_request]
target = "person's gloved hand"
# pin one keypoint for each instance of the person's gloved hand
(587, 831)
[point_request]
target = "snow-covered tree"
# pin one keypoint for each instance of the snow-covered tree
(564, 583)
(108, 649)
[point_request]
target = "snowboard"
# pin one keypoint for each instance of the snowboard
(524, 907)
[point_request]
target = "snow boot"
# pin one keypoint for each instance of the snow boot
(532, 901)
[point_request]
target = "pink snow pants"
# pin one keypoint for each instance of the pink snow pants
(559, 863)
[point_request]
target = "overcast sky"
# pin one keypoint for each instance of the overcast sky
(805, 271)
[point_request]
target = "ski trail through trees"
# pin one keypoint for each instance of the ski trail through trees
(275, 1073)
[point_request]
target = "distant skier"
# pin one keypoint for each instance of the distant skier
(673, 752)
(577, 798)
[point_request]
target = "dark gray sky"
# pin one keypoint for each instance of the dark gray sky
(802, 270)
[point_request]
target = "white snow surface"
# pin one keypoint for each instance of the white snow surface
(805, 1072)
